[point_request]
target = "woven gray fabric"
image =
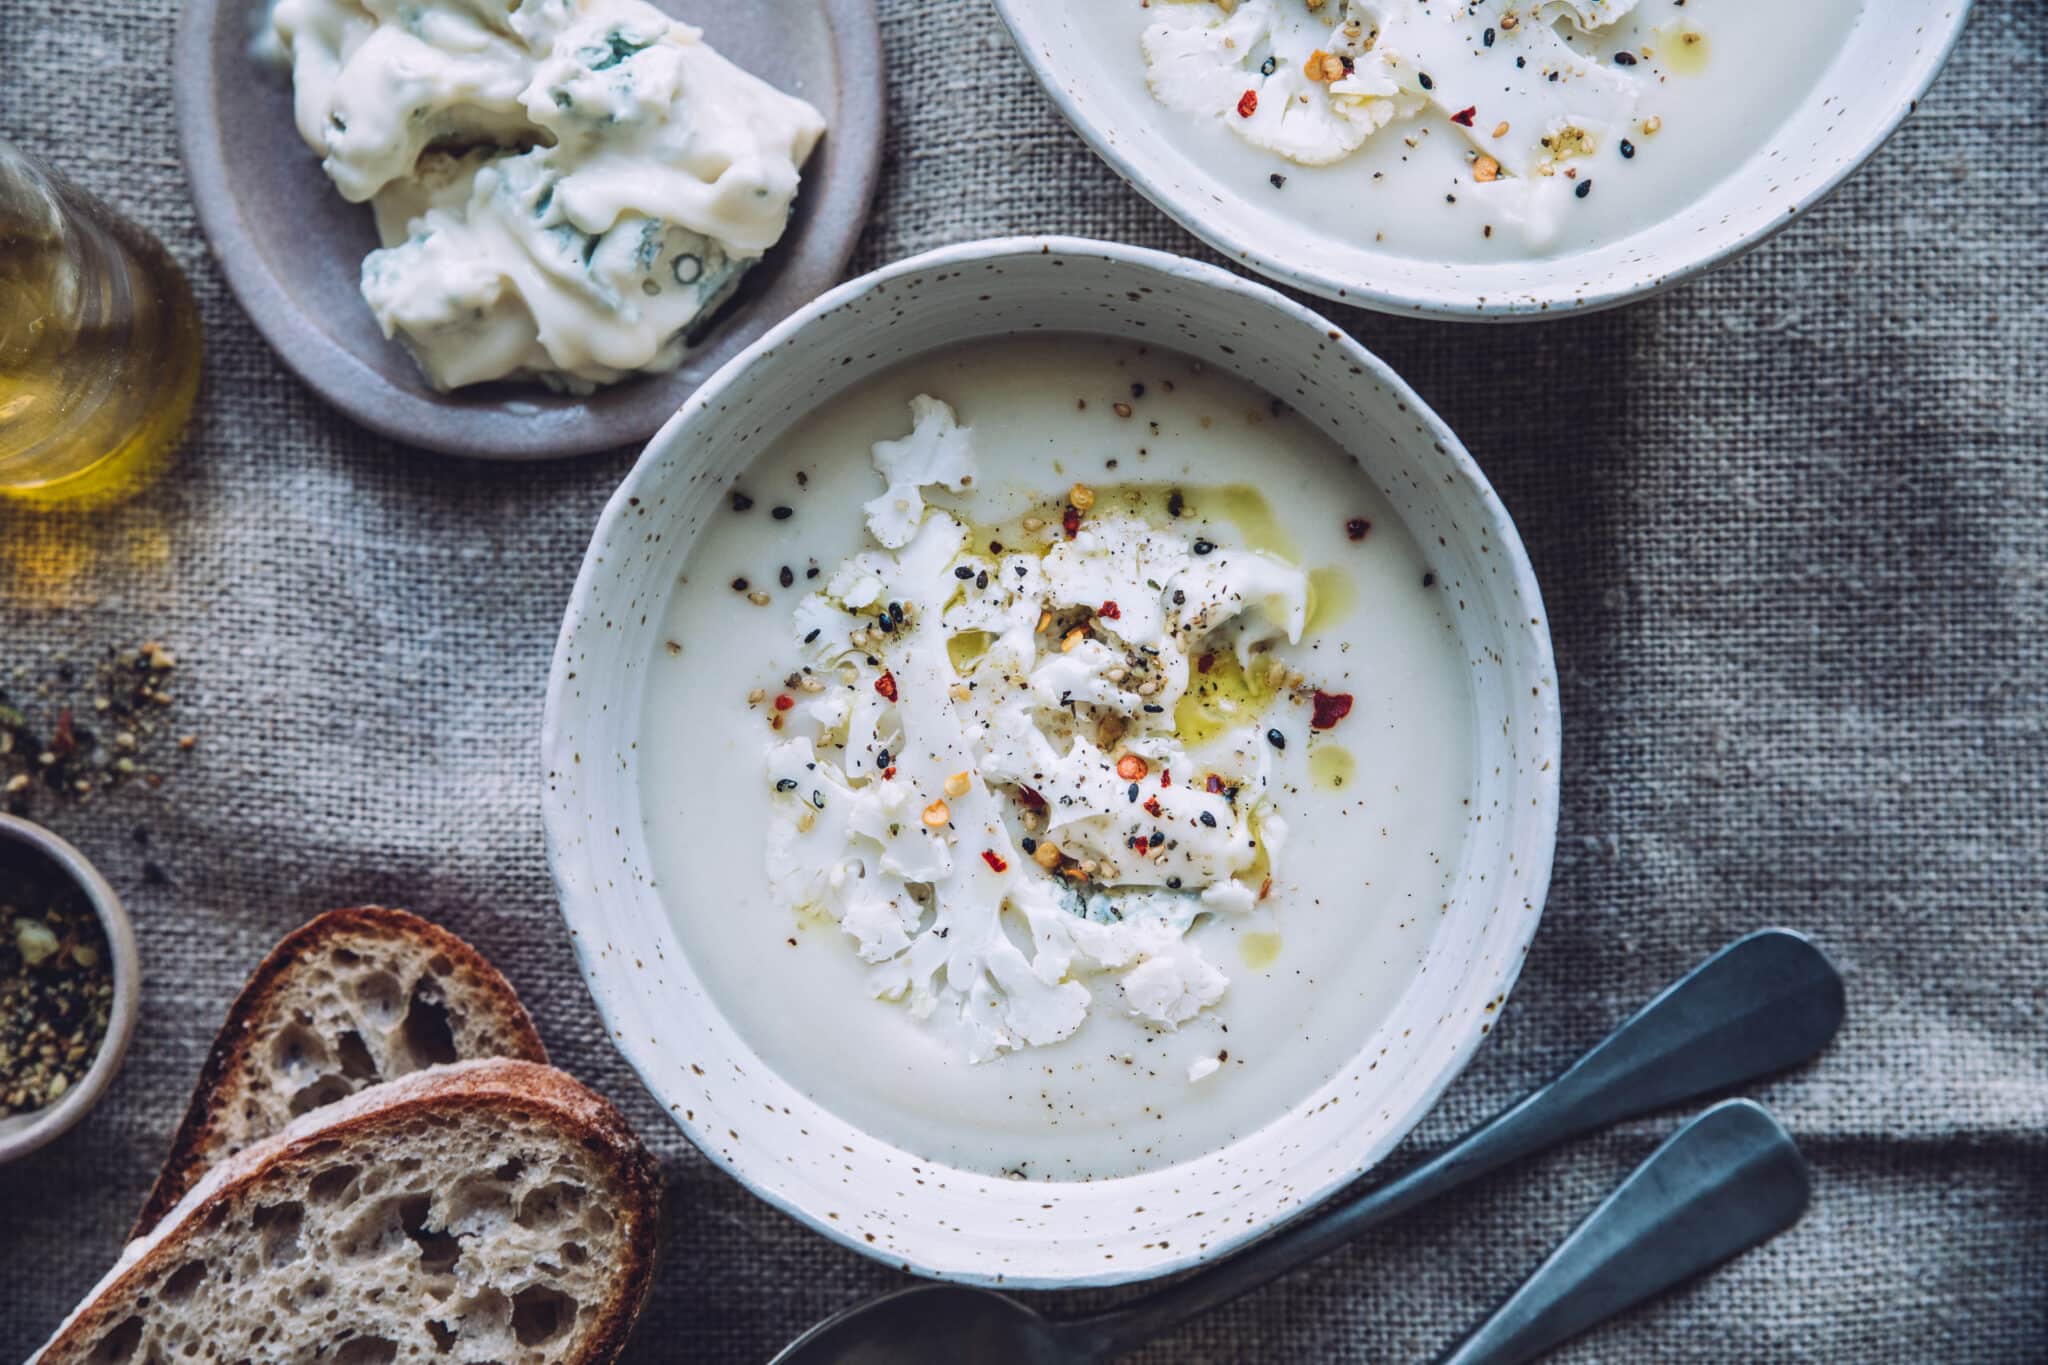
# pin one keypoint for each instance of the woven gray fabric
(1795, 574)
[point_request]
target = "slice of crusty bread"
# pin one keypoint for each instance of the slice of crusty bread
(486, 1211)
(348, 999)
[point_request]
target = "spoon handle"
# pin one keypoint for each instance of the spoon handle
(1725, 1182)
(1765, 1002)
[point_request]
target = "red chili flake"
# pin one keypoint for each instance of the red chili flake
(1030, 798)
(1331, 707)
(1214, 786)
(1464, 116)
(1248, 104)
(1166, 777)
(1070, 521)
(989, 856)
(1357, 527)
(1152, 807)
(886, 685)
(1108, 611)
(784, 702)
(1205, 663)
(1265, 888)
(65, 740)
(889, 773)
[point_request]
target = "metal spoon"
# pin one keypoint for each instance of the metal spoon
(1728, 1180)
(1765, 1002)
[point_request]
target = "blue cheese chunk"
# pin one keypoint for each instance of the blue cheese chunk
(566, 190)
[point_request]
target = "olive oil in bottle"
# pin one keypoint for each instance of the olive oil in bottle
(99, 344)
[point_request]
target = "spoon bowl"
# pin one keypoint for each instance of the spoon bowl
(933, 1323)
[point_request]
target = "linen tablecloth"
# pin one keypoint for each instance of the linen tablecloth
(1789, 521)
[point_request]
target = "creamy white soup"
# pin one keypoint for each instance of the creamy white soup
(1473, 130)
(1056, 757)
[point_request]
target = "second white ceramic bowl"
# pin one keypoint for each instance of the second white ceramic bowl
(877, 1198)
(1893, 53)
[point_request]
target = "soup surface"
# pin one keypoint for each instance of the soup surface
(1480, 130)
(1206, 906)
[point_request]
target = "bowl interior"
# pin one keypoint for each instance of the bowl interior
(875, 1197)
(23, 1133)
(292, 248)
(1893, 51)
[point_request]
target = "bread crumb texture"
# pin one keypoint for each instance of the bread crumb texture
(465, 1229)
(365, 1008)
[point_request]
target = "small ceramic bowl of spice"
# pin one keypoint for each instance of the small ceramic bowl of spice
(70, 986)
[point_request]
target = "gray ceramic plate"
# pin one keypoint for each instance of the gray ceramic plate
(291, 248)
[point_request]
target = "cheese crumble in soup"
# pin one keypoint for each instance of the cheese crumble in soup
(1057, 757)
(1479, 129)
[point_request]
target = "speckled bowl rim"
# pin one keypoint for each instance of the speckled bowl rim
(126, 961)
(1730, 241)
(339, 375)
(591, 955)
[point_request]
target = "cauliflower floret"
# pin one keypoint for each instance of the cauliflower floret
(937, 451)
(904, 833)
(1587, 14)
(1248, 69)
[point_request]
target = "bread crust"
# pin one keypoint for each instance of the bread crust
(199, 1141)
(491, 1086)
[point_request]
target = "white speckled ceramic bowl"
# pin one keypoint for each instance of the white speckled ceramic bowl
(1895, 51)
(874, 1197)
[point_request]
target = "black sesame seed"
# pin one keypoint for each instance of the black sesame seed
(1137, 390)
(1628, 150)
(1267, 67)
(981, 579)
(1180, 597)
(739, 585)
(812, 638)
(1209, 819)
(1624, 59)
(741, 502)
(1155, 710)
(882, 758)
(786, 577)
(1521, 62)
(964, 571)
(1429, 580)
(1132, 793)
(1277, 180)
(1427, 83)
(782, 513)
(1173, 883)
(1203, 547)
(787, 784)
(811, 572)
(1276, 739)
(1030, 844)
(1487, 38)
(818, 799)
(1175, 503)
(1585, 188)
